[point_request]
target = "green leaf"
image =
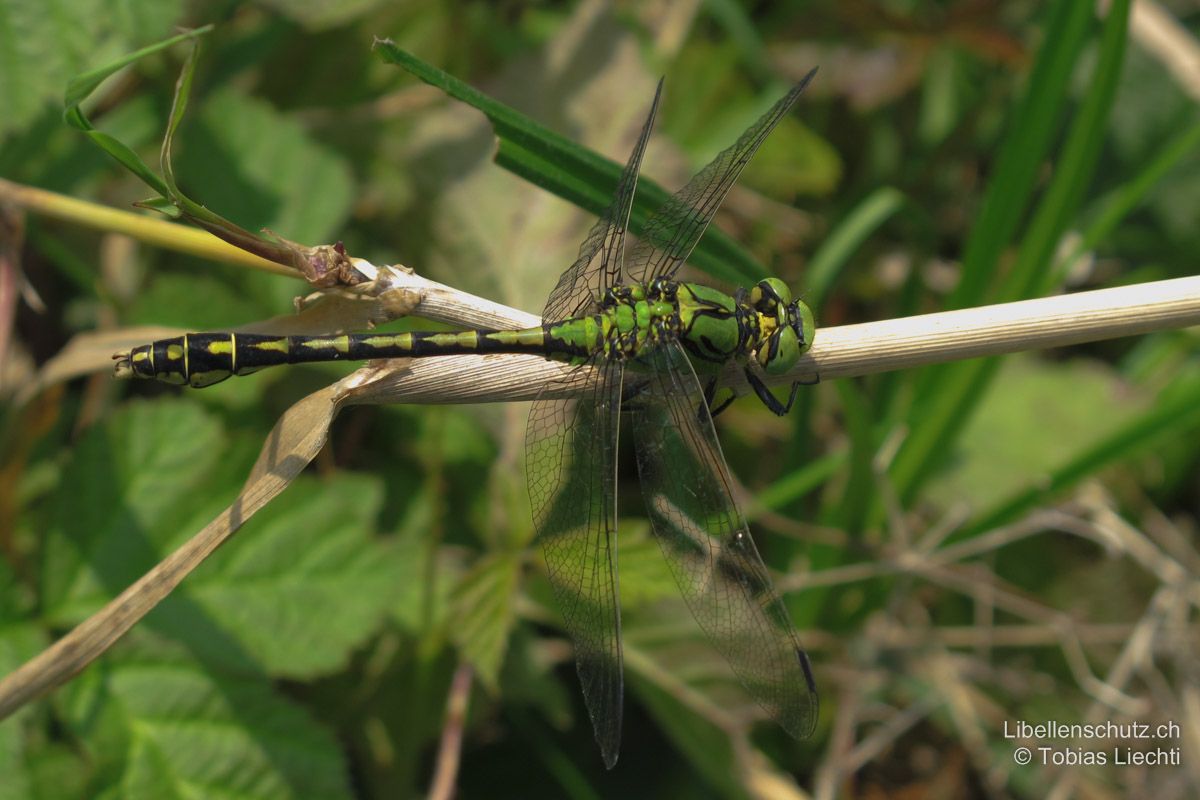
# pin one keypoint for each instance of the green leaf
(645, 576)
(55, 769)
(1032, 275)
(43, 43)
(321, 174)
(196, 301)
(162, 727)
(1176, 414)
(484, 610)
(693, 696)
(793, 160)
(81, 86)
(850, 512)
(19, 642)
(123, 495)
(302, 585)
(263, 170)
(1130, 195)
(424, 586)
(940, 101)
(117, 149)
(299, 588)
(574, 172)
(1005, 445)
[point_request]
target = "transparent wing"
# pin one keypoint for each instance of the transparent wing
(707, 543)
(571, 464)
(598, 266)
(673, 230)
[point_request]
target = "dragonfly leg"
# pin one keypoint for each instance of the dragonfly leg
(710, 394)
(768, 399)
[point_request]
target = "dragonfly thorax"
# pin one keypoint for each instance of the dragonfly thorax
(763, 324)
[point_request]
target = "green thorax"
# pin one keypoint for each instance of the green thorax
(713, 327)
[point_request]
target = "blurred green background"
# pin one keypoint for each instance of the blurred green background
(962, 547)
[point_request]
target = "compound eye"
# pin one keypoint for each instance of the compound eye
(805, 325)
(769, 295)
(780, 352)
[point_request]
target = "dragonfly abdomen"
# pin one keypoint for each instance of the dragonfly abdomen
(202, 359)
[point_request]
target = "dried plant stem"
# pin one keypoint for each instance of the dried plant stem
(841, 352)
(445, 777)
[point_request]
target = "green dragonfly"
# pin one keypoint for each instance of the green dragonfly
(639, 339)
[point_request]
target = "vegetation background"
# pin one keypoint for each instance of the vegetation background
(962, 547)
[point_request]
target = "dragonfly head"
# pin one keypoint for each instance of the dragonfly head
(788, 326)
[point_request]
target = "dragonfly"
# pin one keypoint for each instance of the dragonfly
(638, 340)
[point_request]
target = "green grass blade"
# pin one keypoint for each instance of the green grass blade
(1023, 150)
(721, 257)
(81, 87)
(1032, 274)
(565, 168)
(951, 395)
(800, 482)
(849, 512)
(1126, 198)
(835, 252)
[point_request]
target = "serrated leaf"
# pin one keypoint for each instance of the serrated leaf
(645, 576)
(18, 643)
(416, 607)
(42, 44)
(263, 170)
(484, 608)
(300, 588)
(190, 733)
(302, 585)
(126, 486)
(56, 771)
(197, 301)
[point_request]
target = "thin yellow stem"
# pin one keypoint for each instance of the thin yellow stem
(157, 232)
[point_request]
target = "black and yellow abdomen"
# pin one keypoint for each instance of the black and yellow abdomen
(202, 359)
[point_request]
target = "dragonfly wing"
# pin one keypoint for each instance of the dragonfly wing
(707, 543)
(598, 266)
(571, 464)
(673, 230)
